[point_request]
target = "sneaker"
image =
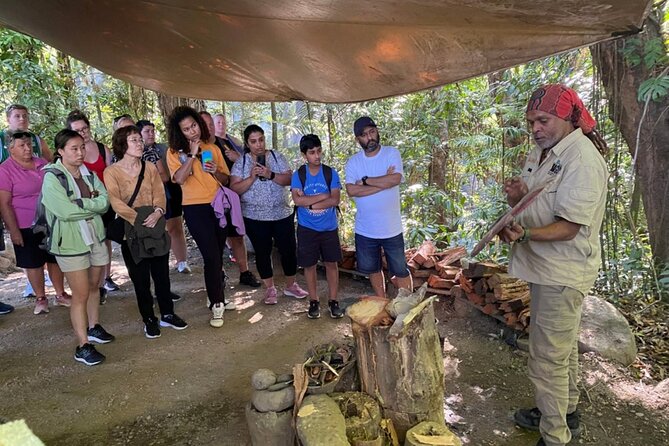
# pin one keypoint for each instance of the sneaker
(230, 305)
(217, 315)
(5, 308)
(175, 297)
(270, 296)
(42, 305)
(314, 309)
(110, 285)
(28, 291)
(541, 442)
(335, 311)
(64, 300)
(295, 291)
(103, 295)
(88, 355)
(99, 335)
(247, 278)
(152, 328)
(530, 418)
(183, 268)
(174, 321)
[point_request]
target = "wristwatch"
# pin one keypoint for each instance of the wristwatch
(272, 175)
(364, 180)
(190, 155)
(525, 237)
(311, 206)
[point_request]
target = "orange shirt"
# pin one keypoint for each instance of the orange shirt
(200, 187)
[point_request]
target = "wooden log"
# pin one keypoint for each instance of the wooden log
(481, 287)
(439, 291)
(516, 304)
(511, 319)
(449, 272)
(482, 269)
(490, 309)
(457, 292)
(466, 284)
(437, 282)
(498, 278)
(413, 266)
(369, 311)
(430, 262)
(424, 251)
(507, 291)
(451, 256)
(405, 374)
(476, 299)
(423, 272)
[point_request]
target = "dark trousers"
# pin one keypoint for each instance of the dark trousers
(210, 239)
(141, 274)
(263, 234)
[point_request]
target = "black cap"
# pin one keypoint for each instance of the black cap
(360, 124)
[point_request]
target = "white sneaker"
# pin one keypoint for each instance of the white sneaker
(217, 315)
(229, 305)
(183, 268)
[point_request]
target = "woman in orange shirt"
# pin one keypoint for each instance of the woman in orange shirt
(199, 168)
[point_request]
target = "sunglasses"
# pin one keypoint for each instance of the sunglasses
(20, 135)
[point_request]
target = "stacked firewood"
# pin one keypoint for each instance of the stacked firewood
(348, 258)
(438, 268)
(493, 291)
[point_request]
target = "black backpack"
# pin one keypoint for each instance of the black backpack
(40, 223)
(327, 174)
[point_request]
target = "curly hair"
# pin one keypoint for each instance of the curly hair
(175, 137)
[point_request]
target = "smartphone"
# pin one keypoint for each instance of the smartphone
(207, 157)
(261, 160)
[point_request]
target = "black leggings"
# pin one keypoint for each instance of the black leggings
(210, 239)
(141, 274)
(262, 234)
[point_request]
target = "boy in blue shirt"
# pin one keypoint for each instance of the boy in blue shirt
(316, 189)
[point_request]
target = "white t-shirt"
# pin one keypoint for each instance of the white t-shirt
(379, 214)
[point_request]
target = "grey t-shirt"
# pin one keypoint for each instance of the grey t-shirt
(264, 200)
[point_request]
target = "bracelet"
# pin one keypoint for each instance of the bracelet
(159, 209)
(525, 237)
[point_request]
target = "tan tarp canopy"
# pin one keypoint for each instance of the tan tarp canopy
(326, 50)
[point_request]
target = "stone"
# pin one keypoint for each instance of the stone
(362, 415)
(605, 331)
(270, 428)
(262, 379)
(268, 401)
(321, 423)
(431, 433)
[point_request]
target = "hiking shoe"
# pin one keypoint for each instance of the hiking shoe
(110, 285)
(99, 335)
(64, 300)
(174, 321)
(103, 295)
(314, 309)
(335, 311)
(229, 305)
(152, 328)
(5, 308)
(175, 297)
(42, 305)
(88, 355)
(28, 291)
(217, 315)
(295, 291)
(247, 278)
(270, 296)
(530, 418)
(183, 268)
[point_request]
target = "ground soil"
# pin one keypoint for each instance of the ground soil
(190, 387)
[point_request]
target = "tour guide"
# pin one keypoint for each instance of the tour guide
(556, 249)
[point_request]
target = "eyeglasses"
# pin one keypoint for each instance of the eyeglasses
(82, 130)
(20, 135)
(135, 141)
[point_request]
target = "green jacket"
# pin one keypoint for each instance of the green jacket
(66, 213)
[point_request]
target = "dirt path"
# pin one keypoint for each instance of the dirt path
(190, 387)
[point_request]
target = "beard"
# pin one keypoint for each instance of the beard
(371, 145)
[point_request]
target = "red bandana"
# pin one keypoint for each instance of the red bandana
(563, 102)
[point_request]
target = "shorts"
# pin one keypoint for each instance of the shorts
(99, 256)
(174, 196)
(314, 245)
(368, 254)
(30, 255)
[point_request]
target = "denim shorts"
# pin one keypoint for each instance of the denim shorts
(368, 254)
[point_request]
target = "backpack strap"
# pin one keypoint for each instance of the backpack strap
(103, 152)
(302, 175)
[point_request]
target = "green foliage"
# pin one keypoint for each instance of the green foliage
(654, 88)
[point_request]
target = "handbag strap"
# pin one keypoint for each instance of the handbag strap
(140, 178)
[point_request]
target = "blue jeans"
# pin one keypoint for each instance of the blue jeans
(368, 254)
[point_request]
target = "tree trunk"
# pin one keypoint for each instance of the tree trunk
(621, 82)
(406, 375)
(166, 104)
(275, 130)
(65, 73)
